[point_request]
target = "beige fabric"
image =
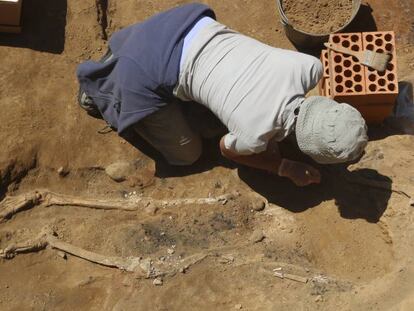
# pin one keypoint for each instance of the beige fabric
(167, 131)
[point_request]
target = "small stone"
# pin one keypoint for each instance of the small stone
(318, 298)
(412, 202)
(226, 259)
(157, 282)
(257, 236)
(62, 171)
(151, 209)
(62, 254)
(170, 251)
(258, 205)
(119, 171)
(238, 306)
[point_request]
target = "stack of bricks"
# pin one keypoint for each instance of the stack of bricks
(345, 80)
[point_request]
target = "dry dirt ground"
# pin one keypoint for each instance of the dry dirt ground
(355, 243)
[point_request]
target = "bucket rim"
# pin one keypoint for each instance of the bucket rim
(285, 21)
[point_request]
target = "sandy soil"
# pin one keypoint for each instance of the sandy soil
(355, 243)
(318, 17)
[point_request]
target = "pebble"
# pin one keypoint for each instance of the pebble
(151, 209)
(119, 171)
(257, 236)
(225, 259)
(62, 171)
(238, 306)
(258, 205)
(412, 202)
(62, 254)
(318, 298)
(170, 251)
(157, 282)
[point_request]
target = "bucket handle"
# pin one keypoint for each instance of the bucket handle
(283, 19)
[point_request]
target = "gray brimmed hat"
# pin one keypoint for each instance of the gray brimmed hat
(330, 132)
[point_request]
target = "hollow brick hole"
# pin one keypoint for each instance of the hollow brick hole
(369, 38)
(349, 84)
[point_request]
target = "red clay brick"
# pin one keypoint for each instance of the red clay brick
(347, 77)
(325, 63)
(383, 84)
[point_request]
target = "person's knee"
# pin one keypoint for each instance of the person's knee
(186, 154)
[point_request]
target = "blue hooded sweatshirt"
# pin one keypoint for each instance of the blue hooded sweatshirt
(140, 77)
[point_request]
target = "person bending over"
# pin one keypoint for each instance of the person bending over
(255, 90)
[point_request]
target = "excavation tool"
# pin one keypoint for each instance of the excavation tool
(375, 60)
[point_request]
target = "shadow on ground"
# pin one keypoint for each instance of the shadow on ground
(354, 200)
(44, 23)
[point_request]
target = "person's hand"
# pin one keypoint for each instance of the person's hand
(299, 173)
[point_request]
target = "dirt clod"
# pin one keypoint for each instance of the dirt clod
(258, 205)
(119, 171)
(257, 236)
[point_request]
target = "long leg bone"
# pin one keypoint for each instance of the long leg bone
(12, 205)
(142, 267)
(130, 204)
(132, 264)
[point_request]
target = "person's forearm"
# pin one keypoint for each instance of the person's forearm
(268, 160)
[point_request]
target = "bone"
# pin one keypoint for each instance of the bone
(11, 205)
(131, 264)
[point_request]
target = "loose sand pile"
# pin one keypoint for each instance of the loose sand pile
(318, 16)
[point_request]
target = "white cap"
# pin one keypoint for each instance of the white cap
(330, 132)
